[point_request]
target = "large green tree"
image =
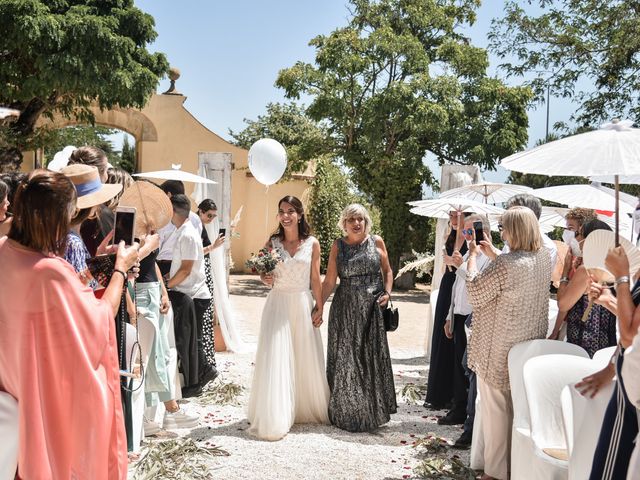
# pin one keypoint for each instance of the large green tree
(587, 50)
(402, 81)
(62, 56)
(303, 138)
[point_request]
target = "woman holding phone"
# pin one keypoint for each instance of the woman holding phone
(207, 213)
(58, 342)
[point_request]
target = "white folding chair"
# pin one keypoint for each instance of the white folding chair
(9, 431)
(582, 417)
(544, 378)
(603, 356)
(522, 447)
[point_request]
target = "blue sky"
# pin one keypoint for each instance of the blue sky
(229, 54)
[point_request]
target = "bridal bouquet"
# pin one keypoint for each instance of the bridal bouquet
(265, 261)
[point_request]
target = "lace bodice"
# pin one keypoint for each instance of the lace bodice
(293, 274)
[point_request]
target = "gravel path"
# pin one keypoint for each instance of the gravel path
(321, 451)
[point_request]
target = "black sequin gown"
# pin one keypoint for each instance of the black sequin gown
(358, 362)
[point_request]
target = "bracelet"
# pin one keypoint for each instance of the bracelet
(124, 275)
(623, 279)
(564, 280)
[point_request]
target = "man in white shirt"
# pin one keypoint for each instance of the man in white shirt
(455, 329)
(187, 276)
(167, 233)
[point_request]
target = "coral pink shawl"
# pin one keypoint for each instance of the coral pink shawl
(58, 358)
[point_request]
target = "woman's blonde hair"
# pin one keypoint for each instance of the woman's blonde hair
(351, 211)
(522, 227)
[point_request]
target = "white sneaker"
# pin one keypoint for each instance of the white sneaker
(150, 428)
(179, 419)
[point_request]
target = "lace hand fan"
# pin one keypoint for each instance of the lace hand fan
(595, 249)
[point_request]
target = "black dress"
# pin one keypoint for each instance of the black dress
(359, 369)
(440, 381)
(207, 326)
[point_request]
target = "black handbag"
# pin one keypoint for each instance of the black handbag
(390, 316)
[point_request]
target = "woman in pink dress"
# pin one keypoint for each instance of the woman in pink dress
(57, 347)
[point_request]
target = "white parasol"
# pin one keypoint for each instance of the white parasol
(614, 149)
(487, 192)
(584, 196)
(555, 217)
(440, 207)
(175, 174)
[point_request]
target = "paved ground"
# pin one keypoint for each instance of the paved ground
(322, 452)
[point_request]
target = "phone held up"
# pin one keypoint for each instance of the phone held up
(124, 225)
(222, 232)
(477, 226)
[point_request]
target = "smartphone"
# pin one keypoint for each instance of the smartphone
(124, 225)
(477, 226)
(222, 232)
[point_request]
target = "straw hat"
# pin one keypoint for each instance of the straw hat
(153, 207)
(91, 190)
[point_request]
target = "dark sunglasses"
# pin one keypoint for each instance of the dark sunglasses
(467, 231)
(211, 216)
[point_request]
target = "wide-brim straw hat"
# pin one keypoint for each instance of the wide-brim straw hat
(91, 191)
(153, 207)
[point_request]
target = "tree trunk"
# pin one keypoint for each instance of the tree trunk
(10, 159)
(19, 132)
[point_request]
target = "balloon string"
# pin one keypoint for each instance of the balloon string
(266, 210)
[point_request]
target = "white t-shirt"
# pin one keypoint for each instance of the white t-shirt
(188, 246)
(459, 296)
(168, 236)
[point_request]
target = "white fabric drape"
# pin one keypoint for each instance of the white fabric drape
(226, 314)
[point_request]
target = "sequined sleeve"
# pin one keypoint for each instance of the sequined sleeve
(484, 287)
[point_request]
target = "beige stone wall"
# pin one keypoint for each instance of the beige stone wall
(166, 133)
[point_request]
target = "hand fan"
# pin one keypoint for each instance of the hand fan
(596, 247)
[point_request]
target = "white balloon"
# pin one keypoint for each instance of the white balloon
(267, 161)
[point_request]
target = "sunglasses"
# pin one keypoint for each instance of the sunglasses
(467, 231)
(211, 216)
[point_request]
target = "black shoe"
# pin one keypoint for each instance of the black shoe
(464, 442)
(192, 391)
(209, 375)
(435, 406)
(452, 418)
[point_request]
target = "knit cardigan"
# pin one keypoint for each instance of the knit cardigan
(510, 301)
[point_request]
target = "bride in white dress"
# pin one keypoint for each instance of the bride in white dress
(289, 382)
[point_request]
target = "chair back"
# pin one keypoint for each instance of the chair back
(518, 356)
(582, 418)
(9, 433)
(603, 356)
(544, 378)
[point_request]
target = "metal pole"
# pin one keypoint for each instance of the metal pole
(546, 136)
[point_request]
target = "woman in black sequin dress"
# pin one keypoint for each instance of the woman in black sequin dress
(358, 362)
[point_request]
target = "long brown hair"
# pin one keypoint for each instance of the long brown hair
(304, 229)
(45, 201)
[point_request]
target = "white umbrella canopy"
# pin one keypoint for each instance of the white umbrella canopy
(487, 192)
(584, 196)
(555, 217)
(174, 174)
(624, 197)
(614, 149)
(440, 207)
(625, 179)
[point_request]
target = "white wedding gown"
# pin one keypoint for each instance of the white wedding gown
(289, 381)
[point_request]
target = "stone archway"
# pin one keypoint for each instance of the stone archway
(134, 122)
